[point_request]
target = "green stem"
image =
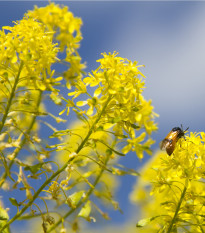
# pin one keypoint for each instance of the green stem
(84, 199)
(36, 195)
(18, 149)
(199, 224)
(58, 171)
(93, 125)
(12, 95)
(202, 230)
(177, 209)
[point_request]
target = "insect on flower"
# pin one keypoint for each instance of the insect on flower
(171, 139)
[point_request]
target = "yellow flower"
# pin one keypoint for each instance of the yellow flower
(30, 43)
(118, 87)
(62, 21)
(67, 31)
(176, 184)
(27, 53)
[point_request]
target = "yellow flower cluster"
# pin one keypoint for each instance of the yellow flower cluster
(62, 22)
(119, 86)
(67, 32)
(31, 44)
(27, 52)
(26, 55)
(176, 185)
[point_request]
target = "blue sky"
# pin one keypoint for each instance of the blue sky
(167, 37)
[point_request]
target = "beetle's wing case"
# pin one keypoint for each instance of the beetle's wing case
(164, 143)
(168, 145)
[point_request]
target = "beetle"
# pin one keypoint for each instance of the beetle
(171, 139)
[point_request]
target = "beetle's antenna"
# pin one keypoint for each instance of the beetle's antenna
(186, 129)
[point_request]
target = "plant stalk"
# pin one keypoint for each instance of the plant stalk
(58, 171)
(12, 95)
(177, 209)
(80, 203)
(18, 149)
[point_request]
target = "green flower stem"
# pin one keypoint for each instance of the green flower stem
(58, 171)
(12, 95)
(177, 209)
(84, 199)
(18, 149)
(36, 195)
(199, 224)
(93, 125)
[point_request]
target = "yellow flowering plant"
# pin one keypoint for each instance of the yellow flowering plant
(171, 189)
(76, 167)
(112, 123)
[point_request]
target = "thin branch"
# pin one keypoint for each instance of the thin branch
(11, 97)
(59, 171)
(177, 209)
